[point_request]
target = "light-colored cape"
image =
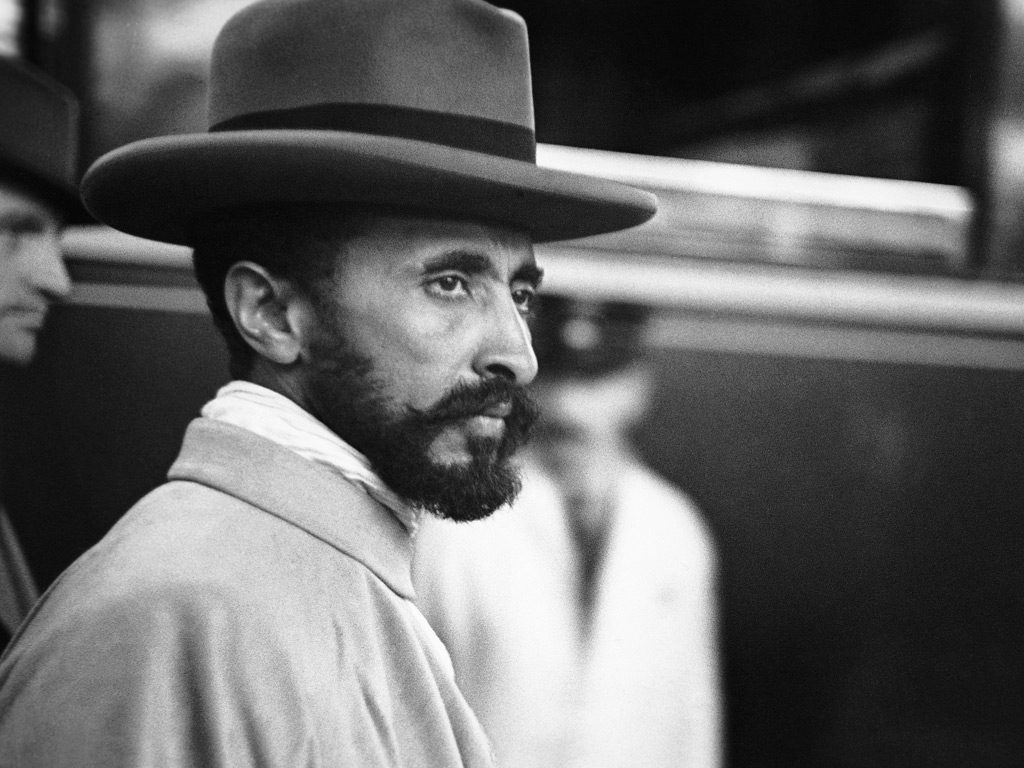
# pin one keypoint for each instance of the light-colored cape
(637, 685)
(256, 610)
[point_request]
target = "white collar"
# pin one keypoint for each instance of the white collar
(273, 416)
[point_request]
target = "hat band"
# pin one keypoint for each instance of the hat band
(476, 134)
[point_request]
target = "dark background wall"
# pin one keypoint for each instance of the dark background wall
(868, 517)
(714, 76)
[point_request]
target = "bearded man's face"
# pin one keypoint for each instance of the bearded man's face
(419, 356)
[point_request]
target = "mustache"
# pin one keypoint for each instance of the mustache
(467, 400)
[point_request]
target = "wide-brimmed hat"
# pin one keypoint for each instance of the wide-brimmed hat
(410, 103)
(39, 136)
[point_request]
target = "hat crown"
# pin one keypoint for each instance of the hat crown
(453, 57)
(39, 125)
(423, 104)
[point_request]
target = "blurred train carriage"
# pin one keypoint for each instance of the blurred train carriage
(841, 380)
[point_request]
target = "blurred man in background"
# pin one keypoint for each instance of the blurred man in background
(38, 148)
(582, 622)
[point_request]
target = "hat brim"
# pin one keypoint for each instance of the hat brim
(156, 187)
(61, 196)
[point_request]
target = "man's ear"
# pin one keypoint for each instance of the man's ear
(265, 309)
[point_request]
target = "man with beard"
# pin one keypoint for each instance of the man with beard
(38, 147)
(362, 214)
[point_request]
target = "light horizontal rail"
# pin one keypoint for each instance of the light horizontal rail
(813, 296)
(745, 213)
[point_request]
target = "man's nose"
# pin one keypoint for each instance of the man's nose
(44, 268)
(507, 350)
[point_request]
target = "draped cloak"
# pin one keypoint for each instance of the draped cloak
(255, 610)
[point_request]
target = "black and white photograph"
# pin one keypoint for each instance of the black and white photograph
(515, 384)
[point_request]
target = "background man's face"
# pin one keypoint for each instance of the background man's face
(424, 332)
(584, 424)
(32, 273)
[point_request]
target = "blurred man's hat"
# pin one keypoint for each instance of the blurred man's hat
(581, 337)
(412, 103)
(39, 136)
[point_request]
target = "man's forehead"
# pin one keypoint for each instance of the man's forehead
(423, 238)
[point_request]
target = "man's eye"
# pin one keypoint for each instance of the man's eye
(524, 299)
(18, 233)
(450, 284)
(16, 237)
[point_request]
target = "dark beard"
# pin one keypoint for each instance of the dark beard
(342, 392)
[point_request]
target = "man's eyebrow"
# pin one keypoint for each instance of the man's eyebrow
(23, 220)
(464, 261)
(473, 263)
(531, 273)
